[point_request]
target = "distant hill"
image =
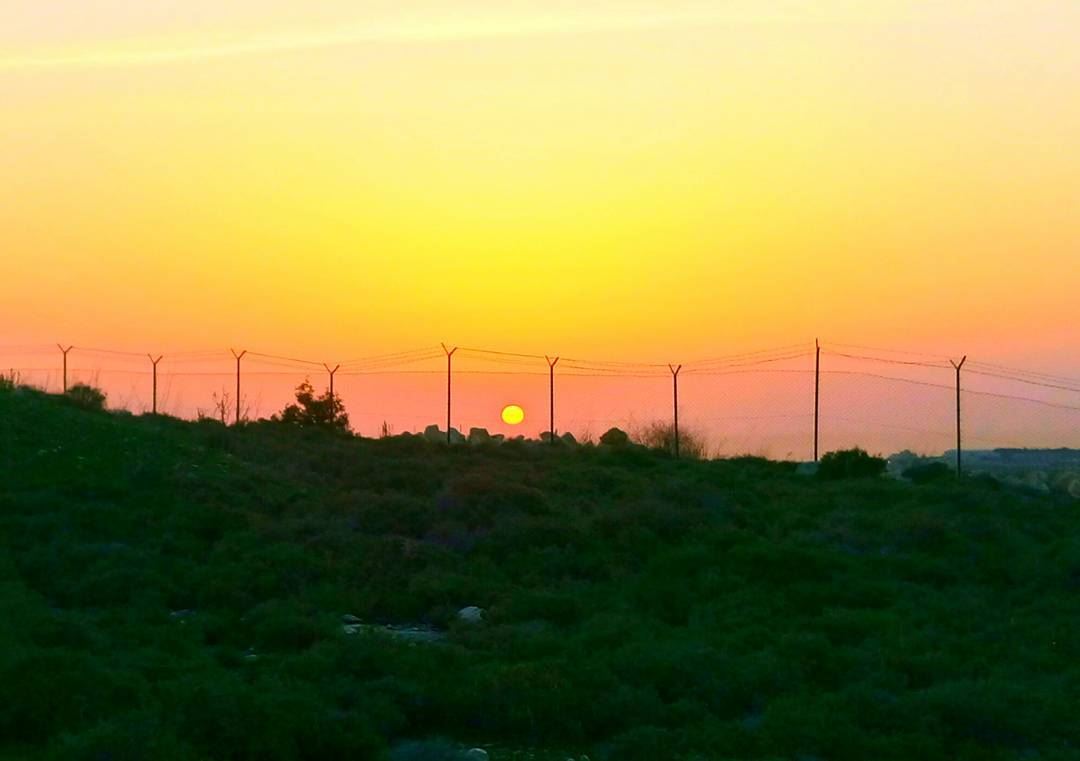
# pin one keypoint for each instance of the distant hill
(1043, 470)
(177, 590)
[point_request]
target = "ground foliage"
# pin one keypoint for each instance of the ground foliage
(175, 590)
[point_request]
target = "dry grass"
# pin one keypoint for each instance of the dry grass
(660, 435)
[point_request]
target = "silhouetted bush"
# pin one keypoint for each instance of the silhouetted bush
(325, 411)
(86, 397)
(850, 463)
(928, 473)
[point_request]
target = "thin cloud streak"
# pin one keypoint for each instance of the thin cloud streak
(449, 30)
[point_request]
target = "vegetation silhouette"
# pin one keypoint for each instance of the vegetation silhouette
(188, 591)
(323, 411)
(86, 396)
(850, 463)
(660, 436)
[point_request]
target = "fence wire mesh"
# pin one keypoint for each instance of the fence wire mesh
(756, 402)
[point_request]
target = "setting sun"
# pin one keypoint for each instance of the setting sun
(512, 414)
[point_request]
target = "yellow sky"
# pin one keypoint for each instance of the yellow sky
(649, 179)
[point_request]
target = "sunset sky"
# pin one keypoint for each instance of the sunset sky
(621, 180)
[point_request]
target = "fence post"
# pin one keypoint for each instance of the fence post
(675, 392)
(154, 362)
(551, 396)
(817, 393)
(336, 367)
(65, 353)
(957, 366)
(449, 357)
(238, 358)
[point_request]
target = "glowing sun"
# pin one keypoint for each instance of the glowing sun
(512, 414)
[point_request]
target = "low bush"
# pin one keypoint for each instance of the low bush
(930, 472)
(86, 397)
(850, 463)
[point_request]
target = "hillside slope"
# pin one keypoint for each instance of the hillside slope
(176, 590)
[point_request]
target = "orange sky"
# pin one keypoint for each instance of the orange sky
(626, 180)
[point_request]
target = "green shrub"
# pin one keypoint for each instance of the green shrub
(850, 463)
(478, 498)
(426, 750)
(47, 691)
(284, 625)
(559, 609)
(128, 737)
(646, 743)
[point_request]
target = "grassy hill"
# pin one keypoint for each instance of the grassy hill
(175, 590)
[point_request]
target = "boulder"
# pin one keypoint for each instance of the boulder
(615, 437)
(433, 434)
(456, 437)
(568, 439)
(476, 754)
(349, 618)
(479, 436)
(471, 614)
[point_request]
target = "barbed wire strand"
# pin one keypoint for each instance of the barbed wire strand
(936, 365)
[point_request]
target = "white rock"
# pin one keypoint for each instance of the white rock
(471, 614)
(476, 754)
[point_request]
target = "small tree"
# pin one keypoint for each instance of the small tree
(850, 463)
(222, 409)
(325, 411)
